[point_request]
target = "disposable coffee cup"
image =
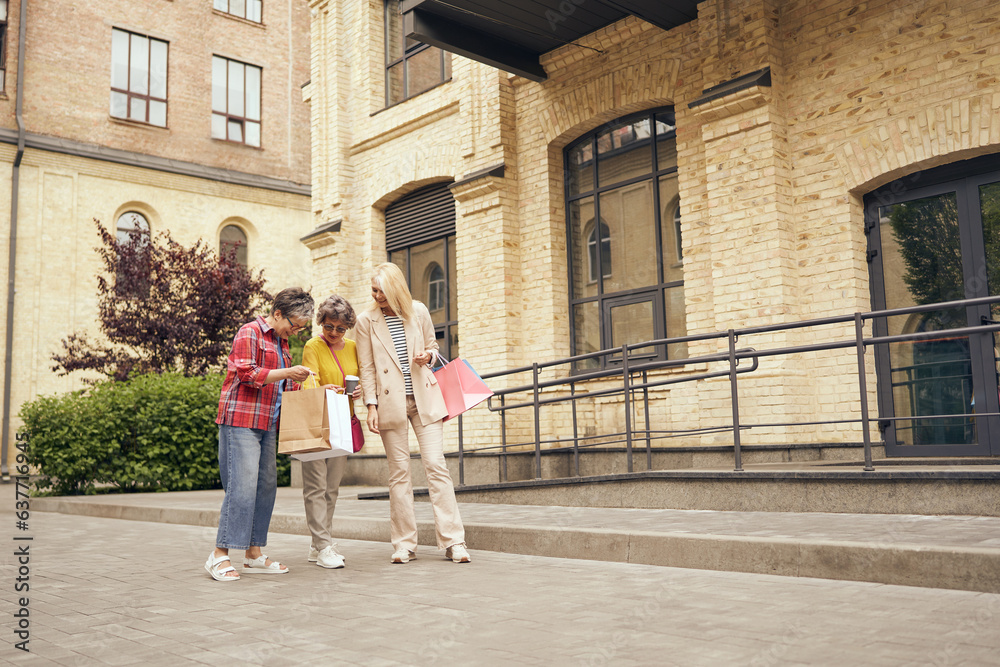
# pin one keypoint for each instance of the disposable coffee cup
(351, 383)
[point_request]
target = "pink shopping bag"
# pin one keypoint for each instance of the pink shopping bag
(461, 386)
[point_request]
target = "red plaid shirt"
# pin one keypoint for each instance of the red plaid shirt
(246, 401)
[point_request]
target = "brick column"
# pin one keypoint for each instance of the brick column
(489, 307)
(749, 203)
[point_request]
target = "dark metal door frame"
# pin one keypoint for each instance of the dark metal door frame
(964, 180)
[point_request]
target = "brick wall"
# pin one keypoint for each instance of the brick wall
(66, 95)
(770, 178)
(68, 78)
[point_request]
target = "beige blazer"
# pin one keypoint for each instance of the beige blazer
(382, 375)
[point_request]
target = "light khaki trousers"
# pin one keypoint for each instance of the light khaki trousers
(320, 488)
(402, 521)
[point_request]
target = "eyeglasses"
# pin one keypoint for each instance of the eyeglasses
(329, 328)
(295, 327)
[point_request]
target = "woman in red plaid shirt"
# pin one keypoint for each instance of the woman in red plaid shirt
(259, 369)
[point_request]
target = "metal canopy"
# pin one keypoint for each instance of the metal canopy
(513, 34)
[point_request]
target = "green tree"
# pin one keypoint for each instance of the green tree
(164, 307)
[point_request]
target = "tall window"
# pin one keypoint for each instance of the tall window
(245, 9)
(138, 78)
(232, 239)
(132, 275)
(420, 238)
(411, 67)
(436, 287)
(3, 44)
(623, 216)
(425, 267)
(235, 101)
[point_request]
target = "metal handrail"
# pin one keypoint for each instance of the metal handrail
(732, 357)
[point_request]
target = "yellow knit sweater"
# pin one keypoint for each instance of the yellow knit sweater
(317, 357)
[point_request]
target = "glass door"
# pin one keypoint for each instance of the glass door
(936, 243)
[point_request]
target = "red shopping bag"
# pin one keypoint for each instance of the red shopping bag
(461, 386)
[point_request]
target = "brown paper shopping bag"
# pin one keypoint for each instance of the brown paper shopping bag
(305, 422)
(338, 432)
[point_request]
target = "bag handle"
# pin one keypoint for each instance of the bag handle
(314, 379)
(343, 375)
(440, 357)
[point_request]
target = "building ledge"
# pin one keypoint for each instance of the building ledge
(322, 235)
(154, 162)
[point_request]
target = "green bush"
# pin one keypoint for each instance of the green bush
(149, 433)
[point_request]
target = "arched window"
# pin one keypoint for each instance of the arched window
(233, 243)
(133, 258)
(435, 287)
(677, 233)
(624, 174)
(130, 222)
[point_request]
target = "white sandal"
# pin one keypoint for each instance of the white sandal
(259, 566)
(212, 566)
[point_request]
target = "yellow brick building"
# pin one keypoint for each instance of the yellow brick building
(738, 148)
(188, 114)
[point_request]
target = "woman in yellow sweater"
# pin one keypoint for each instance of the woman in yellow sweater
(331, 357)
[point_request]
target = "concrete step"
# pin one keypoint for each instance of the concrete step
(957, 552)
(491, 467)
(972, 492)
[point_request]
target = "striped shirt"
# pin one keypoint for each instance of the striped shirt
(245, 400)
(399, 340)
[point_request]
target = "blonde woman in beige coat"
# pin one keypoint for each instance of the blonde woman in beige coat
(396, 345)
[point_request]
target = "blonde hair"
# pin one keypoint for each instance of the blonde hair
(390, 280)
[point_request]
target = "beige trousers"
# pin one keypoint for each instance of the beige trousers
(320, 488)
(402, 521)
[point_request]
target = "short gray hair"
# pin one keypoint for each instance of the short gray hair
(338, 309)
(293, 302)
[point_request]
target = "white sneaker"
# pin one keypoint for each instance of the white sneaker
(403, 556)
(330, 558)
(458, 554)
(313, 555)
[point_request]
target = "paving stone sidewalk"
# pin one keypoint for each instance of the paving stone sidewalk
(940, 531)
(116, 592)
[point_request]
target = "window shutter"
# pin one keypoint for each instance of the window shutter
(419, 217)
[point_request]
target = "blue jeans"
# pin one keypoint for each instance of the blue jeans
(250, 477)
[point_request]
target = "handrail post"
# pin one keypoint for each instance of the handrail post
(735, 401)
(628, 405)
(863, 383)
(538, 426)
(461, 454)
(576, 433)
(503, 440)
(645, 407)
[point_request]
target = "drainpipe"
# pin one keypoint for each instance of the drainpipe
(22, 21)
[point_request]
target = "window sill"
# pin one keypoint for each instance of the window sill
(237, 143)
(137, 124)
(240, 19)
(411, 97)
